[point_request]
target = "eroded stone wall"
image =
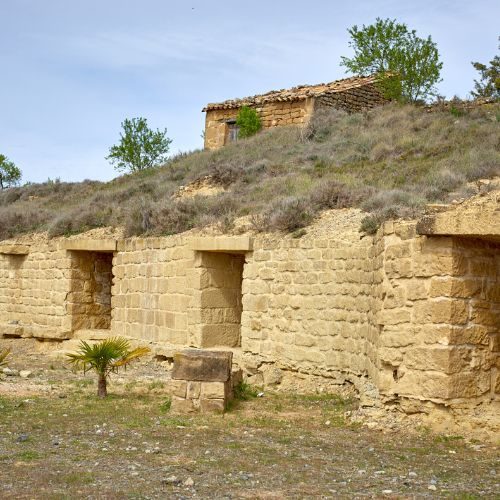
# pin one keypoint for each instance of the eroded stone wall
(415, 316)
(89, 298)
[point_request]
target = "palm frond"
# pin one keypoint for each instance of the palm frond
(3, 357)
(131, 355)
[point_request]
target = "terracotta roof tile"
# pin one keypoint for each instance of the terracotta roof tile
(295, 93)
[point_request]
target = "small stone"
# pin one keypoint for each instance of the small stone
(10, 372)
(260, 395)
(189, 482)
(432, 487)
(25, 373)
(327, 422)
(386, 492)
(412, 474)
(171, 480)
(22, 438)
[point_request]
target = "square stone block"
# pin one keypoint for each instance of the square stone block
(203, 366)
(212, 405)
(181, 405)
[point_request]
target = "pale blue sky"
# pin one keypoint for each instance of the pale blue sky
(71, 71)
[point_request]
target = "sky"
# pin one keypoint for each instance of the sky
(72, 71)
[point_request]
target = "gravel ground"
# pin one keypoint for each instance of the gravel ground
(57, 440)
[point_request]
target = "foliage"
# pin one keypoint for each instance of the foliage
(248, 121)
(10, 174)
(244, 391)
(140, 147)
(389, 48)
(489, 84)
(104, 358)
(390, 161)
(4, 353)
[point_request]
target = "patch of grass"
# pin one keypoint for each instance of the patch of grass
(175, 422)
(166, 405)
(244, 391)
(29, 455)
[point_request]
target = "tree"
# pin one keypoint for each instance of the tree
(489, 84)
(140, 147)
(248, 121)
(10, 175)
(104, 358)
(389, 48)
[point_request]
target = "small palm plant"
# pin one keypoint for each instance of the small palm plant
(104, 358)
(3, 357)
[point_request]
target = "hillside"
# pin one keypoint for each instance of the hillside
(390, 162)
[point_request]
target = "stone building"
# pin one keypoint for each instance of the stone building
(289, 107)
(410, 316)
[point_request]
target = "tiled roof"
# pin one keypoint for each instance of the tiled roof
(295, 93)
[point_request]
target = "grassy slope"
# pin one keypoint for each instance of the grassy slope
(390, 162)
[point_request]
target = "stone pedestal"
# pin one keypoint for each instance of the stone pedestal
(201, 381)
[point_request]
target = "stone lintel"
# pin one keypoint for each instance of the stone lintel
(14, 249)
(202, 365)
(228, 244)
(473, 224)
(89, 245)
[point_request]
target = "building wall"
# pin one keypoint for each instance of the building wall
(418, 317)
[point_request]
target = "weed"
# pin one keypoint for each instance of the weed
(244, 391)
(166, 405)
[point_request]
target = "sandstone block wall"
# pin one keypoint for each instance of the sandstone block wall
(416, 316)
(306, 305)
(440, 317)
(216, 307)
(33, 291)
(89, 299)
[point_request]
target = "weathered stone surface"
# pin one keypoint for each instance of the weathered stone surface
(14, 249)
(202, 365)
(89, 245)
(212, 405)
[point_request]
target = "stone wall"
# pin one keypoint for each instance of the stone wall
(440, 317)
(89, 298)
(416, 317)
(33, 292)
(353, 100)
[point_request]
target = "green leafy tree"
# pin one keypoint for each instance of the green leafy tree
(10, 175)
(489, 84)
(104, 358)
(140, 147)
(248, 122)
(407, 64)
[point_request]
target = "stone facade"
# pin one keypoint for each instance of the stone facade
(290, 107)
(413, 319)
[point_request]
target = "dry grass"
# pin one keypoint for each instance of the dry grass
(390, 161)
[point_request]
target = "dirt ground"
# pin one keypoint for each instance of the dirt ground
(57, 440)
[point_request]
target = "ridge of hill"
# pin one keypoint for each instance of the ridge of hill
(390, 162)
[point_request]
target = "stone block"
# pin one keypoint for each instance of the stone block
(202, 365)
(89, 245)
(212, 405)
(215, 390)
(194, 389)
(178, 388)
(228, 244)
(181, 405)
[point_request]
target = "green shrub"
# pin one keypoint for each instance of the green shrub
(248, 121)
